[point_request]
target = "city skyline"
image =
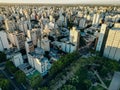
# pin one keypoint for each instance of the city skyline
(113, 2)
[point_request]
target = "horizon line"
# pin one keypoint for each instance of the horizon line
(58, 4)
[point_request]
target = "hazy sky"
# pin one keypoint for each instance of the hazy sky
(64, 1)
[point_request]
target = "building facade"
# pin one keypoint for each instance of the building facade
(112, 47)
(17, 59)
(96, 18)
(17, 39)
(75, 37)
(29, 46)
(45, 44)
(3, 41)
(101, 37)
(38, 61)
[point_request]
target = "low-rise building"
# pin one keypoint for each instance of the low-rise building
(65, 46)
(17, 59)
(45, 44)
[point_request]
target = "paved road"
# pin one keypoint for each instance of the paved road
(102, 83)
(85, 50)
(16, 88)
(8, 76)
(2, 64)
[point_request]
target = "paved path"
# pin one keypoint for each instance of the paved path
(16, 88)
(102, 83)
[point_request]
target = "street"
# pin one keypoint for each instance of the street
(8, 76)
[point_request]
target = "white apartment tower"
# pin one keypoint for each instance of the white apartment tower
(112, 47)
(17, 59)
(101, 37)
(45, 43)
(82, 23)
(33, 35)
(17, 39)
(74, 37)
(29, 46)
(96, 18)
(10, 25)
(3, 41)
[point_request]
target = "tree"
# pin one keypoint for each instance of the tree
(35, 81)
(20, 76)
(43, 88)
(63, 62)
(97, 88)
(87, 83)
(4, 84)
(2, 57)
(68, 87)
(82, 76)
(10, 67)
(1, 75)
(56, 67)
(82, 79)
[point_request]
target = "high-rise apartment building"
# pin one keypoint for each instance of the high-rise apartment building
(29, 46)
(112, 47)
(10, 25)
(17, 38)
(45, 43)
(101, 37)
(75, 37)
(82, 23)
(3, 41)
(34, 35)
(96, 18)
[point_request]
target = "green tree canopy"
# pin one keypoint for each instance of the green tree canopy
(2, 57)
(43, 88)
(4, 84)
(10, 67)
(35, 81)
(63, 62)
(68, 87)
(20, 76)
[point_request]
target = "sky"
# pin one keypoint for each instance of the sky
(64, 1)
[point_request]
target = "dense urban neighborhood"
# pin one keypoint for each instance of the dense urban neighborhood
(59, 47)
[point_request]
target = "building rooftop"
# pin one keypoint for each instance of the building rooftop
(115, 28)
(37, 53)
(43, 59)
(34, 73)
(39, 50)
(28, 70)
